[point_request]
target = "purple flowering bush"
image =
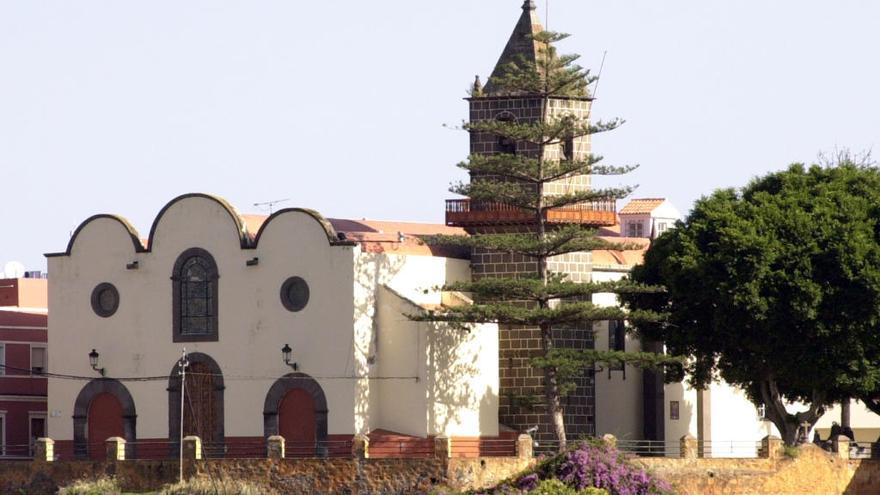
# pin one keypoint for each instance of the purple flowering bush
(602, 466)
(590, 468)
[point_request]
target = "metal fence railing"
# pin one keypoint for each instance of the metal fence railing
(650, 448)
(745, 449)
(330, 448)
(402, 448)
(864, 450)
(16, 452)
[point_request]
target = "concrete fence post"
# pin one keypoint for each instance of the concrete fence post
(609, 440)
(771, 447)
(275, 447)
(442, 447)
(689, 447)
(525, 446)
(44, 450)
(192, 448)
(360, 447)
(840, 446)
(115, 449)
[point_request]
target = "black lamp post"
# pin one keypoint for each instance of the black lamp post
(286, 352)
(93, 360)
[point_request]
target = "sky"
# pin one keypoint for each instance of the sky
(111, 106)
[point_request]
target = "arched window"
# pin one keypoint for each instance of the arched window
(506, 145)
(195, 297)
(567, 145)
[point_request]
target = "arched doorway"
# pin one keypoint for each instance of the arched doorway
(296, 420)
(104, 421)
(104, 408)
(202, 406)
(296, 409)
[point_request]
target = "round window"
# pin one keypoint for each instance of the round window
(294, 294)
(105, 300)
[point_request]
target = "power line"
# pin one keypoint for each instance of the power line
(61, 376)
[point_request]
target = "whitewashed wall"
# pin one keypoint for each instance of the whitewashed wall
(334, 337)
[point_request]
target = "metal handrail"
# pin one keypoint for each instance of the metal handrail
(467, 206)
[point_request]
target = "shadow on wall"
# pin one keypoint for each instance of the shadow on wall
(371, 272)
(865, 479)
(451, 390)
(687, 413)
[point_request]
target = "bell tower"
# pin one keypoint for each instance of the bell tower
(521, 386)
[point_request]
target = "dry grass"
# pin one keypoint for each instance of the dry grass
(216, 487)
(103, 486)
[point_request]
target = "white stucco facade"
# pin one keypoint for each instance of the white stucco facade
(376, 368)
(619, 392)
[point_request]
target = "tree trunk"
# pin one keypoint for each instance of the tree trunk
(845, 413)
(551, 390)
(788, 424)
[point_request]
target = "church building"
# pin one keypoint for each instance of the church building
(293, 324)
(296, 324)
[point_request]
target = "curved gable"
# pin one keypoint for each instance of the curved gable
(247, 240)
(124, 223)
(333, 237)
(237, 222)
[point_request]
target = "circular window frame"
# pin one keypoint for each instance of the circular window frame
(96, 299)
(287, 301)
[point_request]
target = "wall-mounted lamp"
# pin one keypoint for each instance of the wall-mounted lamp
(134, 265)
(286, 351)
(93, 360)
(253, 261)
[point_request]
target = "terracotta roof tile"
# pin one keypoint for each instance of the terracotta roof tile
(378, 236)
(22, 319)
(621, 258)
(641, 206)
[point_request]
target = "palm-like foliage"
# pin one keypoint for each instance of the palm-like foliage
(543, 299)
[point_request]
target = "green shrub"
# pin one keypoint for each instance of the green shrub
(103, 486)
(791, 451)
(553, 487)
(200, 486)
(557, 487)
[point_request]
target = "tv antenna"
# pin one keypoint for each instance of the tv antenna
(270, 205)
(599, 75)
(547, 14)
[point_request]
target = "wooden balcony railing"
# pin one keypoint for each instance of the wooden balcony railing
(467, 213)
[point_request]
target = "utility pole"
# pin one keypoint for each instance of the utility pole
(182, 365)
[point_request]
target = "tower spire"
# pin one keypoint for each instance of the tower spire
(521, 44)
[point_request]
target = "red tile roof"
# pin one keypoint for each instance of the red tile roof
(378, 236)
(22, 319)
(641, 206)
(622, 258)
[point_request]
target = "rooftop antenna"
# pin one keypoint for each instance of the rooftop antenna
(547, 15)
(270, 204)
(596, 87)
(599, 75)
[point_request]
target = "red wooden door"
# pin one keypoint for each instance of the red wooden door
(296, 422)
(199, 414)
(105, 421)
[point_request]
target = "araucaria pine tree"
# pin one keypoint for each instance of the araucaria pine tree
(528, 175)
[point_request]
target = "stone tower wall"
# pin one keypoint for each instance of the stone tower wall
(524, 109)
(521, 404)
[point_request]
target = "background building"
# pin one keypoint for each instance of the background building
(236, 291)
(23, 359)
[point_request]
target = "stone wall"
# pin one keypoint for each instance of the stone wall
(813, 472)
(287, 476)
